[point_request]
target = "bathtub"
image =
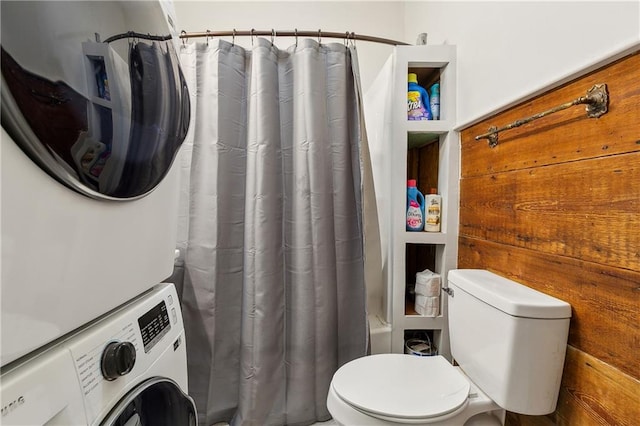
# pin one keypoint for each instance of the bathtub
(380, 331)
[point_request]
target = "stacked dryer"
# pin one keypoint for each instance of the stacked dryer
(94, 110)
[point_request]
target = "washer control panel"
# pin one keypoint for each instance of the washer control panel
(118, 349)
(154, 325)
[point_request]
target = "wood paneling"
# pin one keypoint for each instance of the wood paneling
(422, 164)
(556, 206)
(566, 136)
(594, 393)
(604, 300)
(586, 209)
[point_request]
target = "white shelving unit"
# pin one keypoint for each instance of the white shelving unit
(431, 63)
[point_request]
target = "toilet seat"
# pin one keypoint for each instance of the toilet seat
(402, 388)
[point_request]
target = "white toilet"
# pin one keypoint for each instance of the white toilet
(508, 340)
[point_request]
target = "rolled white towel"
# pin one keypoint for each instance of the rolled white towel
(427, 283)
(427, 306)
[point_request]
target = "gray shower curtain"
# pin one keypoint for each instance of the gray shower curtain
(273, 295)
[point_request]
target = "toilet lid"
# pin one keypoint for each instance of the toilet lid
(401, 386)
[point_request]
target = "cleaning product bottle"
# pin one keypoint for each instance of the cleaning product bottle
(433, 203)
(417, 101)
(415, 207)
(435, 101)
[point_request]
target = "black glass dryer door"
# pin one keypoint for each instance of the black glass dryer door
(93, 93)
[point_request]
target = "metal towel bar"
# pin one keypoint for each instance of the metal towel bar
(597, 101)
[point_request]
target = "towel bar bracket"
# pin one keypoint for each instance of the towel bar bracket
(597, 101)
(597, 104)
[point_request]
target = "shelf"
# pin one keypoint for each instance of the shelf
(418, 322)
(425, 237)
(435, 127)
(431, 157)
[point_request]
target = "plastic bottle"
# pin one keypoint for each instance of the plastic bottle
(415, 207)
(433, 203)
(417, 100)
(435, 101)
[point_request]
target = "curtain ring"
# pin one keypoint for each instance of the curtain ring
(353, 39)
(273, 35)
(346, 39)
(295, 31)
(252, 31)
(182, 34)
(233, 39)
(208, 32)
(320, 36)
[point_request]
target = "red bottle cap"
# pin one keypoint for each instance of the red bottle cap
(411, 182)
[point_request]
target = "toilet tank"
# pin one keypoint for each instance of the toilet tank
(509, 339)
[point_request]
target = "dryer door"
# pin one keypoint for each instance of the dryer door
(93, 92)
(158, 401)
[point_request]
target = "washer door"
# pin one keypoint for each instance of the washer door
(158, 401)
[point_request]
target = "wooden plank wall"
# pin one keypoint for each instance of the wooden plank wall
(556, 206)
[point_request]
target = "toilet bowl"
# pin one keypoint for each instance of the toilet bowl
(508, 341)
(406, 390)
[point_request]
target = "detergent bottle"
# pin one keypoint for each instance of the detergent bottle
(415, 207)
(417, 101)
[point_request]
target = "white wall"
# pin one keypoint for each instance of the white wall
(509, 49)
(506, 50)
(375, 18)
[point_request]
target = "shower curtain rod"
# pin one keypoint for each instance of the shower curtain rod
(295, 33)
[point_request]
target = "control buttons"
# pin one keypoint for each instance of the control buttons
(170, 299)
(118, 359)
(174, 316)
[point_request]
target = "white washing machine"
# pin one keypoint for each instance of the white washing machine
(128, 368)
(94, 110)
